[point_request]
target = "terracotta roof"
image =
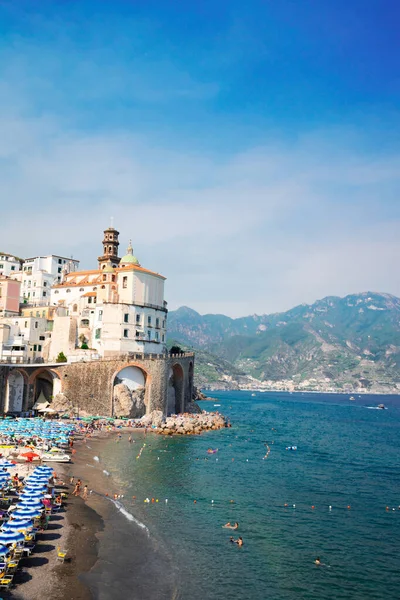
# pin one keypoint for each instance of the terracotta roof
(89, 294)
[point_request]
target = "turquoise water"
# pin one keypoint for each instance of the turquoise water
(348, 455)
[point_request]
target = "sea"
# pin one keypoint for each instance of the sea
(336, 497)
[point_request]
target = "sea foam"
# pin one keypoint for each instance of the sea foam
(129, 516)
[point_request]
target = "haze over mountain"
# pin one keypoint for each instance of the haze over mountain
(350, 343)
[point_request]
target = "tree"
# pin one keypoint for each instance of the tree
(61, 358)
(176, 350)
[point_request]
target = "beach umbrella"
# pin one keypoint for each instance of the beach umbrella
(11, 537)
(30, 502)
(6, 465)
(32, 494)
(10, 528)
(31, 513)
(30, 456)
(4, 550)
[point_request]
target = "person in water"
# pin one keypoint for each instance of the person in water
(229, 526)
(239, 541)
(317, 561)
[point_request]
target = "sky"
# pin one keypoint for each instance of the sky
(250, 150)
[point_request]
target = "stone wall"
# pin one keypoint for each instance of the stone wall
(89, 385)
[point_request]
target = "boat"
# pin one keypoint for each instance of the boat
(217, 405)
(381, 406)
(352, 398)
(56, 457)
(253, 395)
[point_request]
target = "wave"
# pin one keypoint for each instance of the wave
(129, 516)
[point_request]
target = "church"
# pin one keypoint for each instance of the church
(116, 309)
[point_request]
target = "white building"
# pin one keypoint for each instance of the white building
(115, 309)
(9, 264)
(40, 273)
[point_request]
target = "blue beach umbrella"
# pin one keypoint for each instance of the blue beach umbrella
(31, 513)
(7, 465)
(30, 503)
(4, 550)
(11, 537)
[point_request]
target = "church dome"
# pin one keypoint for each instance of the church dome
(129, 258)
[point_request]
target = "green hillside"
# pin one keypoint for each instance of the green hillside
(340, 343)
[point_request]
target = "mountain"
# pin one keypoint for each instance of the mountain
(350, 343)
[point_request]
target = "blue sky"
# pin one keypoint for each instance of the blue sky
(250, 150)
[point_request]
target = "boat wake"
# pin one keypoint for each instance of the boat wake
(129, 516)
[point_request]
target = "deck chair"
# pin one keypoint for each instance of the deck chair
(5, 582)
(61, 554)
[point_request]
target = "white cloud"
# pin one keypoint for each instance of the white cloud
(255, 232)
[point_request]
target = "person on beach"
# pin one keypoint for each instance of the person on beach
(85, 492)
(77, 489)
(71, 481)
(130, 439)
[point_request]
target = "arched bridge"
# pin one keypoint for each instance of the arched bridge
(165, 381)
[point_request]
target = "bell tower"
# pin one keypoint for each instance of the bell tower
(110, 248)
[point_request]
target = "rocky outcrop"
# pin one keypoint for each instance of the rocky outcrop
(198, 395)
(129, 403)
(185, 424)
(62, 404)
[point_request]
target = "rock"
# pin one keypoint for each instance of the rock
(62, 404)
(128, 403)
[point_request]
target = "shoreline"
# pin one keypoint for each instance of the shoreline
(101, 542)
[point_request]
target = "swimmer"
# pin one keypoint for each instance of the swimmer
(229, 526)
(317, 561)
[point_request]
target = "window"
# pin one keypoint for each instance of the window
(126, 318)
(12, 268)
(56, 292)
(36, 324)
(100, 315)
(34, 284)
(157, 322)
(45, 284)
(59, 261)
(149, 320)
(39, 348)
(34, 348)
(89, 300)
(31, 314)
(137, 333)
(112, 277)
(44, 294)
(1, 266)
(126, 333)
(138, 319)
(37, 314)
(41, 338)
(97, 334)
(149, 335)
(84, 322)
(124, 282)
(34, 293)
(163, 323)
(104, 277)
(157, 337)
(26, 324)
(68, 291)
(163, 337)
(59, 270)
(81, 290)
(75, 308)
(43, 313)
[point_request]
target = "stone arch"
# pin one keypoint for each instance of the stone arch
(131, 391)
(176, 397)
(16, 391)
(47, 382)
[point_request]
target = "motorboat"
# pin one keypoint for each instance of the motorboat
(56, 456)
(381, 406)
